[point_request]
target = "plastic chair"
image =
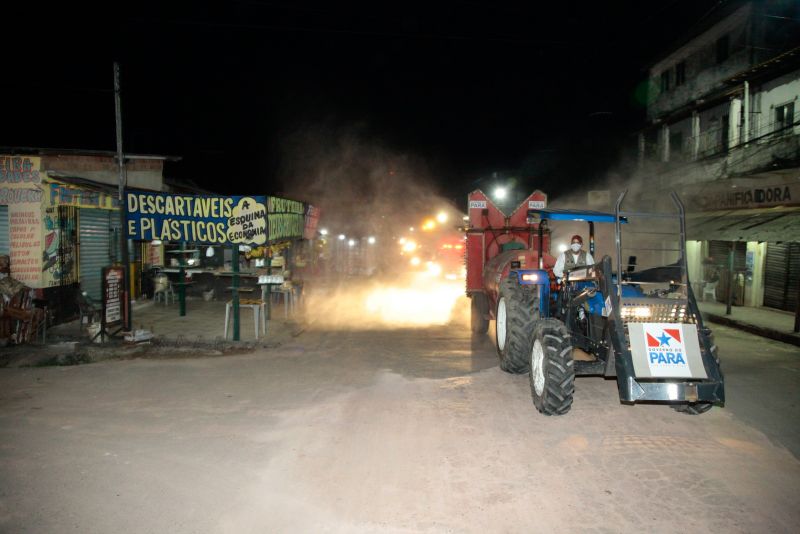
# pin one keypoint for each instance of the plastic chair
(289, 295)
(87, 308)
(259, 308)
(710, 288)
(163, 288)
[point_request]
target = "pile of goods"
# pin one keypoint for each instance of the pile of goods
(20, 319)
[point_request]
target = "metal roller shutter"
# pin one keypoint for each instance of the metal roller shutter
(95, 248)
(782, 276)
(5, 238)
(719, 253)
(793, 280)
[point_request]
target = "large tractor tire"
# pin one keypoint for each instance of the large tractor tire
(693, 408)
(517, 312)
(552, 373)
(479, 314)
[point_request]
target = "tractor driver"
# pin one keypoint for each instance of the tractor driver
(573, 257)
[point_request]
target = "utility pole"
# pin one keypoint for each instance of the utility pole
(123, 180)
(796, 328)
(729, 296)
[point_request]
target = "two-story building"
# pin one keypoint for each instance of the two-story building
(724, 132)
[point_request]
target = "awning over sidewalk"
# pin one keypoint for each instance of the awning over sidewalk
(765, 224)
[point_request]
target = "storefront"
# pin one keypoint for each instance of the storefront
(190, 234)
(60, 222)
(759, 223)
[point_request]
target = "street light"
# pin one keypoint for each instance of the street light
(342, 237)
(351, 243)
(323, 231)
(371, 240)
(500, 193)
(562, 247)
(441, 217)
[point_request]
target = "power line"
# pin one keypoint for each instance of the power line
(367, 33)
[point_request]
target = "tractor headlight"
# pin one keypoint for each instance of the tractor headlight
(530, 277)
(636, 312)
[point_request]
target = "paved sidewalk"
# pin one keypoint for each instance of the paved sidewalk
(198, 333)
(205, 322)
(765, 322)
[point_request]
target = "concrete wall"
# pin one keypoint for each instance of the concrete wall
(776, 93)
(702, 71)
(694, 259)
(142, 174)
(742, 158)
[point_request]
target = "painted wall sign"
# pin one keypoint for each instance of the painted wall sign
(59, 257)
(25, 227)
(211, 220)
(286, 219)
(748, 197)
(66, 195)
(20, 179)
(21, 190)
(477, 204)
(760, 196)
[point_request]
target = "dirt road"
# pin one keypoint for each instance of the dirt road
(411, 430)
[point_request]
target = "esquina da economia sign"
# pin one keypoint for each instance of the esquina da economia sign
(203, 219)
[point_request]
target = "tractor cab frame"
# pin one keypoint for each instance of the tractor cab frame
(642, 327)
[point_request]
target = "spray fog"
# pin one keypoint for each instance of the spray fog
(392, 256)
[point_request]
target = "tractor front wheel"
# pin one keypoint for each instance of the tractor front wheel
(552, 372)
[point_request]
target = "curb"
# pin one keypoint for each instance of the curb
(79, 351)
(777, 335)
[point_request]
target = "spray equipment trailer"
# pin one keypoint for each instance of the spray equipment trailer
(643, 328)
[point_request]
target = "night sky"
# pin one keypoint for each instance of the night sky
(544, 92)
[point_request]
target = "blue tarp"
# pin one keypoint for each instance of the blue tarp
(574, 215)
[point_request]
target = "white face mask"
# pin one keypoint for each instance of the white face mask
(576, 247)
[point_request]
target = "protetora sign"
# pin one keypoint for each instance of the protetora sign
(287, 219)
(212, 220)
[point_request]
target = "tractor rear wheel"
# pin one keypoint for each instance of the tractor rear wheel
(517, 312)
(693, 408)
(552, 371)
(479, 313)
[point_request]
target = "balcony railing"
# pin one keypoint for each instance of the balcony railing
(711, 143)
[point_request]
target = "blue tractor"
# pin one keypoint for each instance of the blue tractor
(615, 319)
